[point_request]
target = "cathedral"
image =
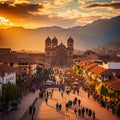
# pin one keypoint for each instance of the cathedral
(58, 54)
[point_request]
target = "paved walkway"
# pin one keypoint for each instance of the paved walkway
(48, 112)
(22, 107)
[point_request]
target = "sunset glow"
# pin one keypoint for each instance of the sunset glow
(64, 13)
(5, 23)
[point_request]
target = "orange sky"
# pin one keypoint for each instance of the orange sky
(64, 13)
(43, 13)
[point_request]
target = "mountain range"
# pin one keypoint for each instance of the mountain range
(103, 32)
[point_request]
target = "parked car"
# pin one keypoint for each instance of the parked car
(49, 82)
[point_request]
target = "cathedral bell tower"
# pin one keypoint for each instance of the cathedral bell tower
(70, 46)
(48, 46)
(54, 42)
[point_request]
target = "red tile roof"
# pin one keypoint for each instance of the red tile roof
(99, 70)
(114, 84)
(10, 57)
(87, 61)
(89, 66)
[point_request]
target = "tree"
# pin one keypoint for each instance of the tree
(11, 93)
(117, 108)
(102, 90)
(91, 85)
(77, 70)
(46, 71)
(111, 94)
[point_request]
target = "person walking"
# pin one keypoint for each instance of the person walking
(57, 106)
(88, 95)
(46, 100)
(60, 107)
(66, 106)
(75, 111)
(93, 115)
(62, 94)
(79, 101)
(34, 108)
(79, 112)
(83, 112)
(30, 109)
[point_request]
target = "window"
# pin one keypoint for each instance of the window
(70, 45)
(11, 64)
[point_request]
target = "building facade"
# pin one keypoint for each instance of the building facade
(58, 54)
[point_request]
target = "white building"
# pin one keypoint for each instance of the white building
(111, 65)
(11, 77)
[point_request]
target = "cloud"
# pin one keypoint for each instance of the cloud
(105, 5)
(19, 9)
(56, 3)
(83, 2)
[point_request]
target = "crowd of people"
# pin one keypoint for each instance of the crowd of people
(80, 111)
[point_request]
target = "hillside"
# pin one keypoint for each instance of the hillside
(113, 44)
(96, 34)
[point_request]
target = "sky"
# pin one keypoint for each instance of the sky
(64, 13)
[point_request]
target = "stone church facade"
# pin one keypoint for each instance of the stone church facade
(58, 54)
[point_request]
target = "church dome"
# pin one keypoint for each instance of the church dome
(48, 39)
(62, 45)
(70, 40)
(54, 40)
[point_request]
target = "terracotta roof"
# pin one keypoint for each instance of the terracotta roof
(88, 60)
(89, 66)
(7, 58)
(114, 84)
(99, 70)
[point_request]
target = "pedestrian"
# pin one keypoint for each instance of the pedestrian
(93, 115)
(62, 94)
(83, 111)
(60, 107)
(88, 95)
(79, 112)
(79, 101)
(33, 112)
(46, 100)
(57, 106)
(77, 91)
(86, 110)
(52, 90)
(75, 111)
(59, 89)
(47, 94)
(113, 109)
(66, 106)
(89, 112)
(34, 108)
(107, 106)
(30, 109)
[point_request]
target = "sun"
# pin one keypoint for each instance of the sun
(5, 23)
